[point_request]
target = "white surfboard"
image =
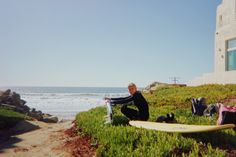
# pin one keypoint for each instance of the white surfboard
(180, 128)
(109, 117)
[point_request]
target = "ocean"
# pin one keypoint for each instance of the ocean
(66, 102)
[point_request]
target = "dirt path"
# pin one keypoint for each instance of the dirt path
(46, 140)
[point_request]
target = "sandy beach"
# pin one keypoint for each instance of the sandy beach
(44, 140)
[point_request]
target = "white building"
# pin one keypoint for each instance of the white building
(225, 47)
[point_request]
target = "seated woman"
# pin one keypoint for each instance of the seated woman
(139, 101)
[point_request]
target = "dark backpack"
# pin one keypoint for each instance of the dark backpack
(198, 106)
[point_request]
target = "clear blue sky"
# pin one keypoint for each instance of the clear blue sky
(105, 42)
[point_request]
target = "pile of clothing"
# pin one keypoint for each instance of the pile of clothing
(227, 114)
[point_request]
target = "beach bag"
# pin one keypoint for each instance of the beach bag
(211, 109)
(198, 106)
(227, 115)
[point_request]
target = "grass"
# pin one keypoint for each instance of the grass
(120, 139)
(9, 118)
(181, 96)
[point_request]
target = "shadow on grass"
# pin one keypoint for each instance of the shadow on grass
(8, 122)
(218, 139)
(120, 120)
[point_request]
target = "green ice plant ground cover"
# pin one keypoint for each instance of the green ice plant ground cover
(120, 139)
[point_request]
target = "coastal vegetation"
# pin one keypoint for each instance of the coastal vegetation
(120, 139)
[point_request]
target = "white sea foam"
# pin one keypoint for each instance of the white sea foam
(66, 105)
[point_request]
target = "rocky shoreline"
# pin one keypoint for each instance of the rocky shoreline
(13, 100)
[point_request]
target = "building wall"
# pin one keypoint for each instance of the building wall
(225, 30)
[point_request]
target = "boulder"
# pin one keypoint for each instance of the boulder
(13, 100)
(4, 93)
(16, 100)
(45, 115)
(25, 108)
(8, 106)
(36, 114)
(6, 97)
(155, 85)
(51, 119)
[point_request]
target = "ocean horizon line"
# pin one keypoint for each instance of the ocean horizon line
(5, 87)
(68, 86)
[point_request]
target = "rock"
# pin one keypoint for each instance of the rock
(14, 101)
(45, 115)
(155, 85)
(36, 114)
(6, 97)
(7, 92)
(9, 106)
(52, 119)
(33, 110)
(26, 108)
(23, 102)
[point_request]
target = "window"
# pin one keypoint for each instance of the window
(231, 57)
(231, 54)
(231, 44)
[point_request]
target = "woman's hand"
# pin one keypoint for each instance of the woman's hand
(107, 99)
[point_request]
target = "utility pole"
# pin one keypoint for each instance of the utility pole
(174, 79)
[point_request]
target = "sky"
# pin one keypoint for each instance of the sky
(105, 43)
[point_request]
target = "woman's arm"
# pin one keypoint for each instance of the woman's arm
(122, 100)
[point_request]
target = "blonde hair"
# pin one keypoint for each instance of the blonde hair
(131, 84)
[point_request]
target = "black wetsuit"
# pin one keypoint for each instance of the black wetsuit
(139, 102)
